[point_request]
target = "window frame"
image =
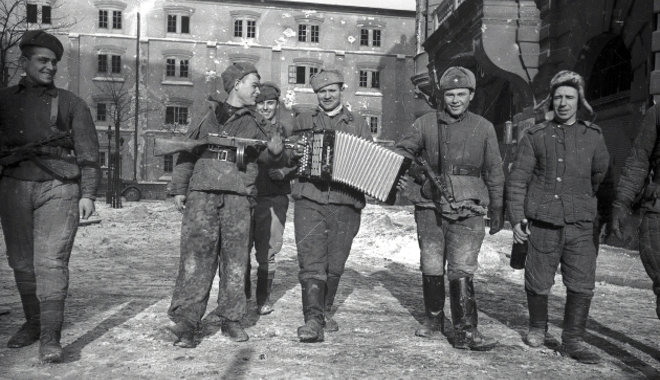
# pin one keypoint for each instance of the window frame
(168, 163)
(32, 13)
(302, 70)
(103, 19)
(172, 23)
(99, 113)
(117, 21)
(369, 78)
(176, 114)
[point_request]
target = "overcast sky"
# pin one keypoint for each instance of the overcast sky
(408, 5)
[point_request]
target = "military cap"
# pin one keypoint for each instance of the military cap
(40, 38)
(457, 77)
(269, 91)
(325, 78)
(236, 72)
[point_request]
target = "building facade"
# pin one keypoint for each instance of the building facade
(183, 46)
(516, 46)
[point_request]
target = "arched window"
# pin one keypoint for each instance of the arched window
(611, 73)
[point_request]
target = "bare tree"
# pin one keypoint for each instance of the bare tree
(14, 22)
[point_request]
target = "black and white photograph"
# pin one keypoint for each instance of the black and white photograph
(311, 189)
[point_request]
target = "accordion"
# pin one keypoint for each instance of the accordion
(335, 156)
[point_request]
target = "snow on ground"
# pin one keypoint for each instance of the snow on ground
(123, 270)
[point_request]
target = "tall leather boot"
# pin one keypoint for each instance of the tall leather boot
(433, 288)
(464, 316)
(538, 319)
(331, 286)
(264, 286)
(52, 317)
(30, 330)
(576, 314)
(313, 299)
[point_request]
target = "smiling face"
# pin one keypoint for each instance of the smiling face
(40, 65)
(565, 104)
(267, 108)
(457, 101)
(329, 97)
(247, 90)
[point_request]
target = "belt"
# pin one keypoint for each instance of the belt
(216, 152)
(471, 171)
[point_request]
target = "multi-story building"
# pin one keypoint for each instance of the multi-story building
(183, 46)
(516, 46)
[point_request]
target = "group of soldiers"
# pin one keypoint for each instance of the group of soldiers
(549, 196)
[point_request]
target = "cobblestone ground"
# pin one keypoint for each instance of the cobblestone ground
(123, 270)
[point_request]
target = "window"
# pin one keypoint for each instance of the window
(115, 64)
(185, 24)
(301, 74)
(364, 37)
(183, 68)
(308, 33)
(103, 63)
(32, 15)
(45, 14)
(102, 160)
(372, 121)
(101, 112)
(176, 115)
(245, 28)
(370, 37)
(116, 19)
(170, 67)
(171, 23)
(369, 78)
(168, 163)
(612, 72)
(103, 19)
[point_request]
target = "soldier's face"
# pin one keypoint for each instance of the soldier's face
(565, 104)
(41, 66)
(329, 97)
(267, 108)
(247, 89)
(457, 101)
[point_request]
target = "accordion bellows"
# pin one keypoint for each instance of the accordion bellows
(335, 156)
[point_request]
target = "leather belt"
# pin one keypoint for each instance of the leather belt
(471, 171)
(220, 153)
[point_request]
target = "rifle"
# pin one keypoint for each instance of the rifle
(29, 150)
(165, 146)
(448, 196)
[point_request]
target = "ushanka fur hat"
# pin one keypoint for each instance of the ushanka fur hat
(567, 78)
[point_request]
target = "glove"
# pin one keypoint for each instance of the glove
(275, 145)
(276, 174)
(619, 214)
(496, 216)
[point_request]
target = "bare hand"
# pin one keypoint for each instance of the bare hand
(180, 202)
(276, 174)
(276, 145)
(85, 208)
(520, 236)
(403, 183)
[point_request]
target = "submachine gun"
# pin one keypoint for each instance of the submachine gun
(440, 185)
(212, 142)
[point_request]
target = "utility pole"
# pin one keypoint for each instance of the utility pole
(137, 98)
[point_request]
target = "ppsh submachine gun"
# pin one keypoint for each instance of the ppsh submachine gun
(445, 194)
(215, 142)
(41, 149)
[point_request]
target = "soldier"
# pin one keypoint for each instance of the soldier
(327, 215)
(44, 192)
(273, 185)
(463, 147)
(215, 197)
(552, 185)
(643, 158)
